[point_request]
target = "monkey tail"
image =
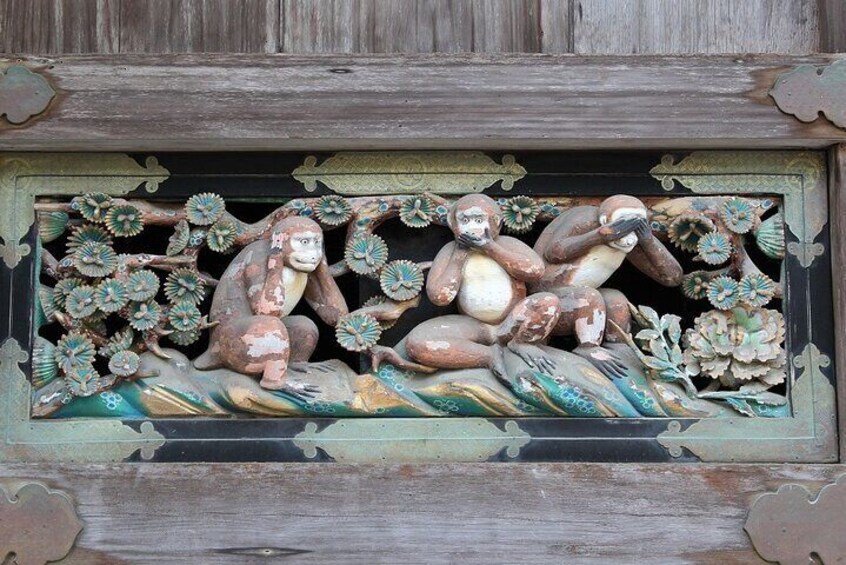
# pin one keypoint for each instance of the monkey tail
(208, 361)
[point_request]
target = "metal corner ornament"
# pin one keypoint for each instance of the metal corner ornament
(809, 90)
(23, 94)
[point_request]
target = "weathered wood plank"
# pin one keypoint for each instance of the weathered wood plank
(832, 26)
(508, 26)
(197, 102)
(701, 26)
(195, 26)
(323, 513)
(556, 21)
(59, 26)
(837, 213)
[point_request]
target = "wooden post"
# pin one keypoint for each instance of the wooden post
(837, 213)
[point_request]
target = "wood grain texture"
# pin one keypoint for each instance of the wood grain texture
(507, 26)
(556, 24)
(274, 102)
(837, 213)
(832, 26)
(199, 26)
(695, 26)
(59, 26)
(473, 513)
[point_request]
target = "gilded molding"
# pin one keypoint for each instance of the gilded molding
(799, 175)
(791, 525)
(808, 436)
(413, 440)
(37, 524)
(23, 94)
(809, 90)
(25, 176)
(401, 172)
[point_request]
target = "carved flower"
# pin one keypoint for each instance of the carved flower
(401, 280)
(184, 338)
(51, 225)
(184, 285)
(686, 230)
(769, 236)
(183, 316)
(144, 315)
(95, 259)
(120, 341)
(519, 213)
(81, 302)
(366, 254)
(177, 242)
(87, 233)
(83, 380)
(221, 235)
(714, 248)
(124, 363)
(737, 346)
(63, 289)
(142, 285)
(111, 295)
(45, 369)
(204, 209)
(124, 220)
(417, 211)
(756, 289)
(723, 292)
(332, 210)
(695, 284)
(738, 215)
(93, 206)
(74, 350)
(358, 332)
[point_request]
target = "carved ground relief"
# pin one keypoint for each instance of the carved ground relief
(405, 304)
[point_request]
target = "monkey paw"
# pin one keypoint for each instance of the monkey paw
(604, 360)
(533, 356)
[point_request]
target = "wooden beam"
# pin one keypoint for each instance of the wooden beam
(479, 513)
(837, 213)
(832, 14)
(273, 102)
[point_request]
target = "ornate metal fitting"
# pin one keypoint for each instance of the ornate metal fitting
(23, 94)
(808, 90)
(37, 524)
(790, 526)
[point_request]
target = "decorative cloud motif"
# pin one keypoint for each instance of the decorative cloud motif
(808, 90)
(23, 94)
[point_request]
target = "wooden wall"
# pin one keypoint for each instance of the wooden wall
(422, 26)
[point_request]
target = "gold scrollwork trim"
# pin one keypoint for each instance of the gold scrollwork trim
(798, 175)
(401, 172)
(809, 436)
(24, 176)
(413, 440)
(84, 441)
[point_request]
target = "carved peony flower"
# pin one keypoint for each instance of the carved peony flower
(124, 220)
(74, 350)
(87, 233)
(723, 292)
(142, 285)
(93, 206)
(119, 341)
(204, 209)
(124, 363)
(417, 211)
(756, 289)
(366, 254)
(111, 295)
(737, 346)
(177, 242)
(81, 302)
(95, 259)
(714, 248)
(183, 316)
(401, 280)
(686, 230)
(144, 315)
(184, 285)
(332, 210)
(519, 213)
(738, 215)
(357, 331)
(695, 284)
(63, 289)
(221, 235)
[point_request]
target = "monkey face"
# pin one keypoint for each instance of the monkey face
(305, 250)
(628, 241)
(472, 221)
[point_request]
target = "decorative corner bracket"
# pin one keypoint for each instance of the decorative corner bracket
(37, 524)
(790, 526)
(23, 94)
(808, 90)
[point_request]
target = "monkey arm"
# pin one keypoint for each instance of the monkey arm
(569, 247)
(518, 259)
(653, 259)
(446, 274)
(324, 296)
(264, 288)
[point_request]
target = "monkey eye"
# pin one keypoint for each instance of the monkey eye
(304, 241)
(478, 220)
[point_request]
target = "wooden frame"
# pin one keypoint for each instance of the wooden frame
(529, 102)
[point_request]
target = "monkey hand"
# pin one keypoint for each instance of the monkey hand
(533, 356)
(618, 229)
(471, 241)
(643, 230)
(301, 391)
